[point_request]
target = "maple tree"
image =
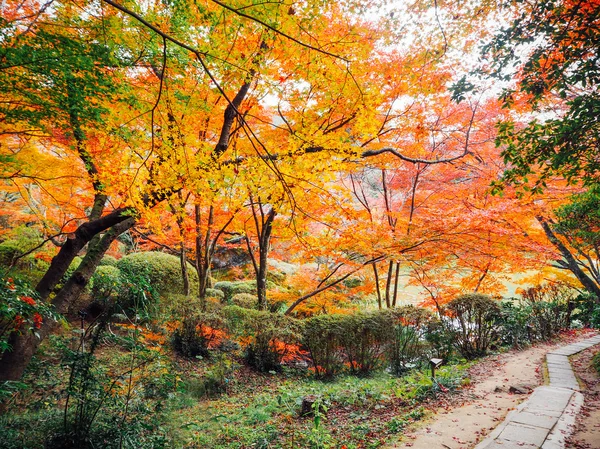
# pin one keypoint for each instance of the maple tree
(315, 123)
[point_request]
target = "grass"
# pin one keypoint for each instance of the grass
(170, 405)
(355, 412)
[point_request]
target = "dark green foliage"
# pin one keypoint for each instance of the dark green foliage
(137, 295)
(550, 308)
(162, 270)
(106, 282)
(515, 318)
(269, 334)
(411, 327)
(193, 337)
(323, 336)
(365, 338)
(472, 322)
(586, 310)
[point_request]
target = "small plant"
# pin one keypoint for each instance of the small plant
(596, 362)
(195, 334)
(20, 310)
(269, 337)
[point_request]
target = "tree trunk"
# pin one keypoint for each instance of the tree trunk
(396, 276)
(377, 285)
(570, 260)
(261, 278)
(388, 283)
(184, 272)
(24, 346)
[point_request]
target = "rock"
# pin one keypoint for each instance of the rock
(498, 389)
(520, 389)
(307, 405)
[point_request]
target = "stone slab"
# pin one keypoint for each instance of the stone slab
(552, 413)
(559, 369)
(538, 419)
(524, 434)
(556, 364)
(557, 377)
(505, 444)
(549, 398)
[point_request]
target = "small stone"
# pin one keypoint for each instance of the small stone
(520, 389)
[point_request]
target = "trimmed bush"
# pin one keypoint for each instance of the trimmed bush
(230, 289)
(515, 320)
(214, 293)
(245, 300)
(551, 307)
(473, 323)
(323, 335)
(270, 336)
(195, 334)
(162, 270)
(365, 338)
(108, 261)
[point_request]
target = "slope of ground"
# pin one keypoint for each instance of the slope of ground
(483, 406)
(587, 431)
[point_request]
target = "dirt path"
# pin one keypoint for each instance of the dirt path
(480, 408)
(587, 430)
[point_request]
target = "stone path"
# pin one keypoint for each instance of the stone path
(544, 419)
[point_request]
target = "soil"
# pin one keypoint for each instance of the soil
(477, 410)
(587, 424)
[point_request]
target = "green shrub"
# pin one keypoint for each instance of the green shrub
(245, 300)
(515, 320)
(550, 307)
(106, 282)
(412, 332)
(230, 289)
(214, 293)
(323, 337)
(108, 261)
(162, 270)
(365, 337)
(586, 310)
(19, 241)
(9, 251)
(270, 335)
(194, 335)
(473, 323)
(137, 295)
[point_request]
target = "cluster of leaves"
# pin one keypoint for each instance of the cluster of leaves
(20, 310)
